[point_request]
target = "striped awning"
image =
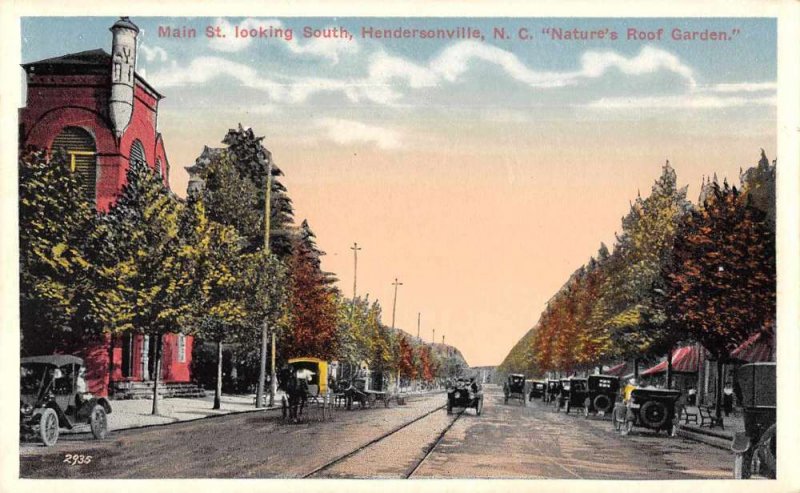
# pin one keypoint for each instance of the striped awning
(617, 370)
(685, 359)
(759, 348)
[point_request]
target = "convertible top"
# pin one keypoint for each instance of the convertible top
(53, 359)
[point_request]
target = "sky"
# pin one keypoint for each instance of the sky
(479, 172)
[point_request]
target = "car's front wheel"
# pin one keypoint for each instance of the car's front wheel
(48, 427)
(98, 421)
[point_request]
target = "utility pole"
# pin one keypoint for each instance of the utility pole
(265, 332)
(394, 304)
(355, 249)
(418, 317)
(433, 339)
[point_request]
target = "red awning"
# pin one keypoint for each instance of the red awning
(760, 347)
(617, 370)
(684, 360)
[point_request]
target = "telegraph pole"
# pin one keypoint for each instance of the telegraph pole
(394, 304)
(418, 317)
(265, 332)
(355, 249)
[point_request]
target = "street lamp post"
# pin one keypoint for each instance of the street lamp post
(394, 303)
(265, 330)
(355, 249)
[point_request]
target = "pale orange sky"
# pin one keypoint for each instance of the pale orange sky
(481, 231)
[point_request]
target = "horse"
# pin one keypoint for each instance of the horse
(296, 394)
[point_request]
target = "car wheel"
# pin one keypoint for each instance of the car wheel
(654, 414)
(98, 421)
(48, 427)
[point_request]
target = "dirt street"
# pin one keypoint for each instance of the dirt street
(506, 441)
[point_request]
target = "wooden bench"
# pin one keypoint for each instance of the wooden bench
(707, 415)
(688, 417)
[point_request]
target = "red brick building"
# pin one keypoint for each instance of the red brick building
(95, 106)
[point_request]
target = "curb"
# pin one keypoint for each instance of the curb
(717, 440)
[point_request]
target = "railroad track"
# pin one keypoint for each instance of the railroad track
(388, 434)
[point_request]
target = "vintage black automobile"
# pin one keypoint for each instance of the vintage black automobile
(552, 390)
(537, 389)
(755, 449)
(576, 394)
(601, 394)
(53, 395)
(514, 388)
(465, 393)
(563, 394)
(648, 408)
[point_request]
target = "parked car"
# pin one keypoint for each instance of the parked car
(648, 408)
(465, 393)
(601, 394)
(53, 395)
(756, 447)
(537, 389)
(514, 388)
(576, 394)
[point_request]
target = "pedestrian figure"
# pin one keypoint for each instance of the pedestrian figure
(727, 400)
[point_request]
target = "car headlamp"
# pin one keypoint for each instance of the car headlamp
(25, 408)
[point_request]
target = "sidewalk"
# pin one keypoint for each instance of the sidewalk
(135, 413)
(716, 437)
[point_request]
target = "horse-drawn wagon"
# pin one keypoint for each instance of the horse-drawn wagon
(304, 382)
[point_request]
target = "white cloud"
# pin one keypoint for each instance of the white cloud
(455, 60)
(327, 48)
(389, 77)
(345, 132)
(154, 54)
(681, 101)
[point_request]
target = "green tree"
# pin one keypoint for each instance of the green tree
(217, 303)
(56, 275)
(143, 252)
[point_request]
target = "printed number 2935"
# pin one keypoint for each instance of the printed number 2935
(77, 459)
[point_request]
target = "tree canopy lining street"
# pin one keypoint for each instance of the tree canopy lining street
(155, 264)
(678, 273)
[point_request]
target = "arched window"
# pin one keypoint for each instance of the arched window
(137, 152)
(82, 154)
